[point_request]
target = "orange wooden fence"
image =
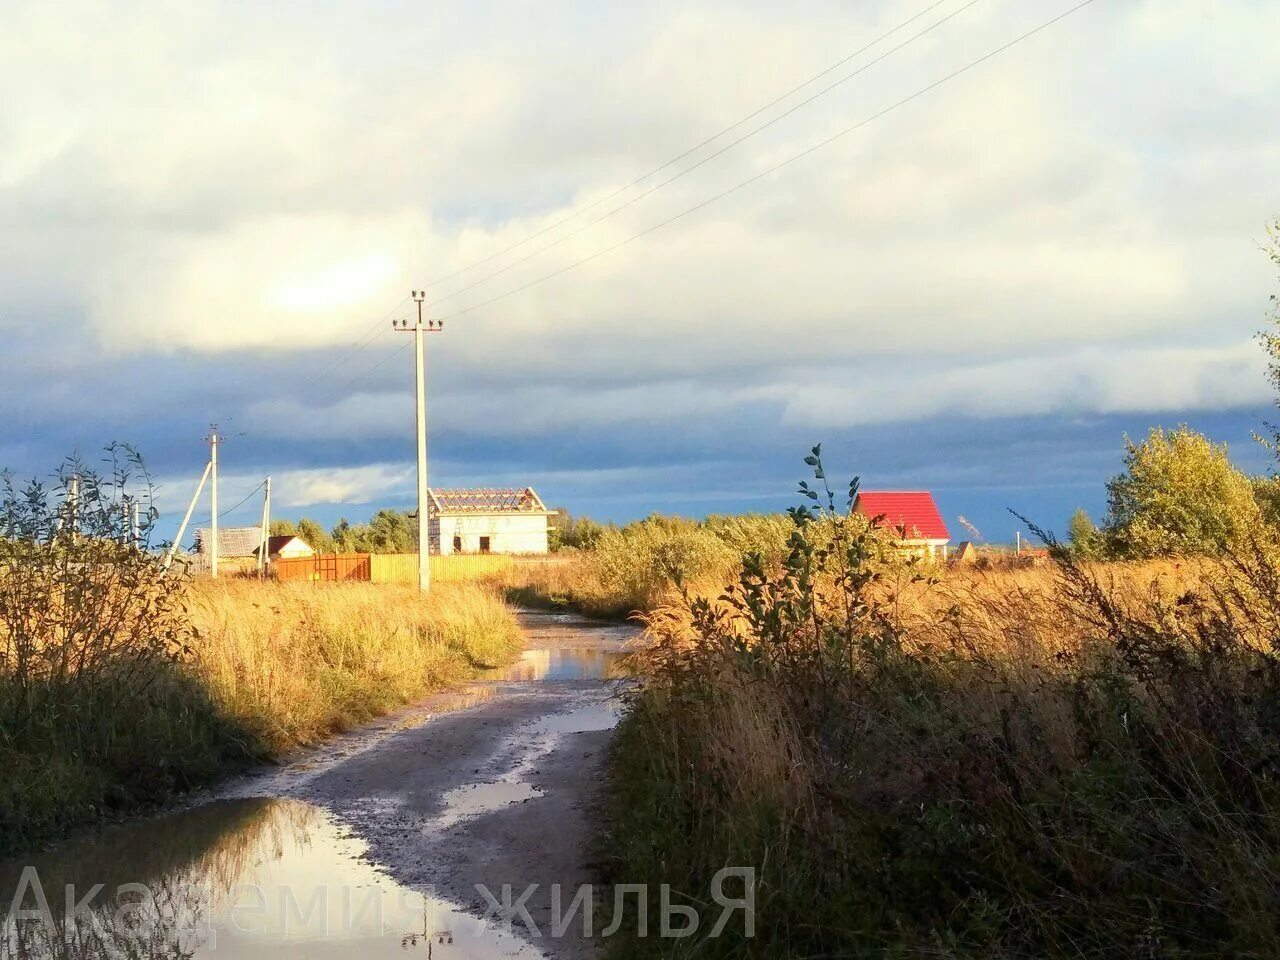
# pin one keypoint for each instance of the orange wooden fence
(323, 566)
(389, 568)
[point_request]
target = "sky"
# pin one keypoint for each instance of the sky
(213, 212)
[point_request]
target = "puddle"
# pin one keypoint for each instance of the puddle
(538, 740)
(563, 665)
(602, 715)
(477, 798)
(572, 630)
(236, 880)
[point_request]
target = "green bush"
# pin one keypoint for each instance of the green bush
(1179, 495)
(637, 567)
(99, 709)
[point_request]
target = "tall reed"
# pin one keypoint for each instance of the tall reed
(1078, 761)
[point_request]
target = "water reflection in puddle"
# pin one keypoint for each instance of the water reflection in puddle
(538, 740)
(474, 799)
(237, 880)
(566, 664)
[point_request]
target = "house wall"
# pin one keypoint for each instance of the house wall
(507, 532)
(295, 550)
(925, 549)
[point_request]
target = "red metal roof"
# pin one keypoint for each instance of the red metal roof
(911, 510)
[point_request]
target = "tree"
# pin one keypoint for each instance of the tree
(314, 536)
(1266, 490)
(392, 531)
(1086, 541)
(558, 528)
(282, 528)
(1179, 494)
(582, 533)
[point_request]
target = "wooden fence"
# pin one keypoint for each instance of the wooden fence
(389, 567)
(323, 566)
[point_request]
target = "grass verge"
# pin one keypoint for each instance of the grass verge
(270, 668)
(1082, 761)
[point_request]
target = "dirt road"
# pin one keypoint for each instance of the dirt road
(487, 785)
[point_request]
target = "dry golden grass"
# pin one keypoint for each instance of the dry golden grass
(291, 663)
(1011, 762)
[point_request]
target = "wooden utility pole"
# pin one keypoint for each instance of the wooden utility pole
(266, 523)
(420, 362)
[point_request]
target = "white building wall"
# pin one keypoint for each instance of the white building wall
(507, 532)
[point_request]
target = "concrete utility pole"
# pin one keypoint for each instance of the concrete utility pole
(420, 362)
(177, 541)
(213, 500)
(73, 503)
(266, 523)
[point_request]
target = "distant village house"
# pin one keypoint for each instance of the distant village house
(912, 517)
(243, 543)
(233, 542)
(287, 547)
(487, 521)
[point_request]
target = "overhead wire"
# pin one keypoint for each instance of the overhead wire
(691, 150)
(364, 373)
(365, 340)
(775, 167)
(709, 157)
(232, 510)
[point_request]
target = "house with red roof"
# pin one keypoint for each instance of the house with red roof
(912, 517)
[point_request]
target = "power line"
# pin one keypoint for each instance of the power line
(694, 149)
(368, 370)
(232, 510)
(205, 523)
(778, 166)
(365, 340)
(709, 157)
(244, 501)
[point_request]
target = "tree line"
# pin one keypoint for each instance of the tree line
(396, 531)
(388, 531)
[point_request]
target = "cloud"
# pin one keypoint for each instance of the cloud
(201, 208)
(375, 482)
(1090, 380)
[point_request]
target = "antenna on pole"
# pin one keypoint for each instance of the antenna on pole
(424, 523)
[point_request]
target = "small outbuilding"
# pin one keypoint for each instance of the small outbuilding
(287, 547)
(511, 520)
(911, 515)
(233, 542)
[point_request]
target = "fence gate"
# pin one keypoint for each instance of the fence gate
(324, 566)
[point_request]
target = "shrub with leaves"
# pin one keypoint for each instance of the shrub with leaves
(1179, 495)
(96, 710)
(84, 600)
